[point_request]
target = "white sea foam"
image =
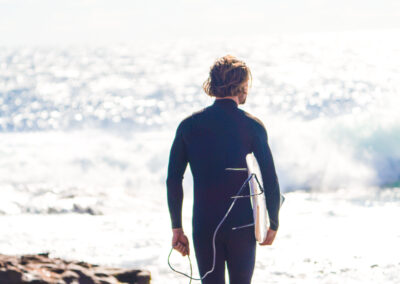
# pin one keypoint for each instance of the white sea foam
(329, 102)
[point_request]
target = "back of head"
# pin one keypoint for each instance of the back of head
(226, 77)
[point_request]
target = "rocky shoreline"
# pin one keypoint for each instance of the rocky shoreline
(41, 269)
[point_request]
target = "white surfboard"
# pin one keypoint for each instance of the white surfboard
(260, 213)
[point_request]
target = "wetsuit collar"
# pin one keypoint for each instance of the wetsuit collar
(226, 103)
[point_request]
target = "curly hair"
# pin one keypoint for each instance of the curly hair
(225, 77)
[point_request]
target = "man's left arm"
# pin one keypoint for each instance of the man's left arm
(263, 154)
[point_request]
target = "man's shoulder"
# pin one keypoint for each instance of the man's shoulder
(253, 120)
(188, 120)
(199, 113)
(195, 114)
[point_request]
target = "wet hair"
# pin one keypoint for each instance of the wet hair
(225, 77)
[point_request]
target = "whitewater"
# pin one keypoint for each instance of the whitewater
(85, 134)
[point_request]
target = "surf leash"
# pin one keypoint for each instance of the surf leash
(235, 197)
(182, 273)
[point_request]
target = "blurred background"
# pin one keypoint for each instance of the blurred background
(91, 93)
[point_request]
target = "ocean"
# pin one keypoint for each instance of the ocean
(85, 134)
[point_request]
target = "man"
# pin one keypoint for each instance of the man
(211, 140)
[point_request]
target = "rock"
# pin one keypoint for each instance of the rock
(39, 281)
(10, 275)
(70, 277)
(41, 269)
(127, 276)
(143, 277)
(85, 210)
(86, 276)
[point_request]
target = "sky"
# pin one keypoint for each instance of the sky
(36, 22)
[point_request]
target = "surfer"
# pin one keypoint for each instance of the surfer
(211, 140)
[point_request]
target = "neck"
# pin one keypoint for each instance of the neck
(233, 98)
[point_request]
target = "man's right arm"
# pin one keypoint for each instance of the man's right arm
(176, 169)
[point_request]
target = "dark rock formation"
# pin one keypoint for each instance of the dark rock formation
(40, 269)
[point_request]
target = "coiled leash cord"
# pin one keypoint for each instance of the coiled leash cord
(216, 230)
(182, 273)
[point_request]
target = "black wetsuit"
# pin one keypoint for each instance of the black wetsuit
(211, 140)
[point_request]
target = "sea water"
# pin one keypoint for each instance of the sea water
(85, 134)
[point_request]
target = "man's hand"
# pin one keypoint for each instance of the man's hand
(270, 238)
(180, 242)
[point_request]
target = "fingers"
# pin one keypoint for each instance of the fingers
(182, 248)
(184, 240)
(185, 249)
(180, 242)
(269, 239)
(179, 247)
(266, 243)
